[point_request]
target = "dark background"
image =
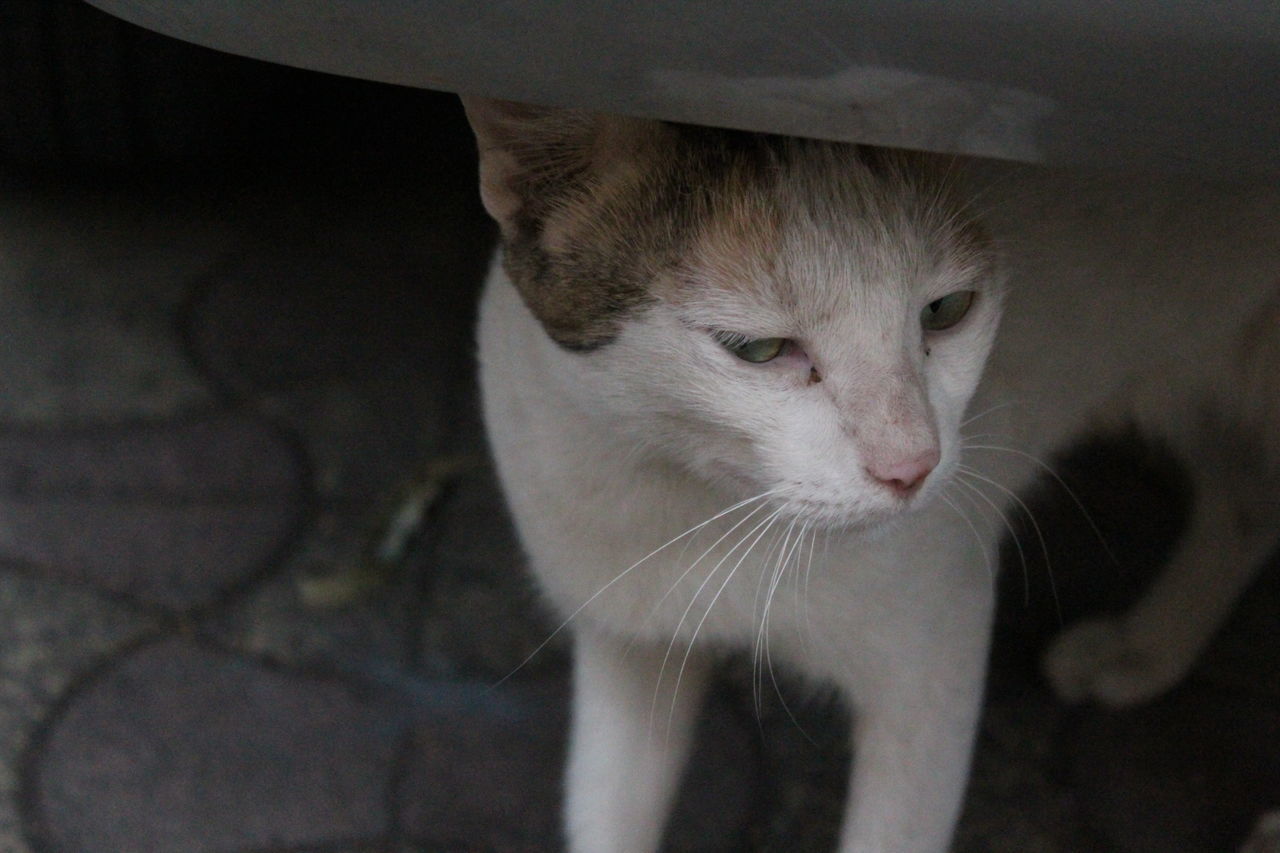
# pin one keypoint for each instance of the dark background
(89, 101)
(86, 94)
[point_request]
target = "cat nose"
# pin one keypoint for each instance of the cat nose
(904, 476)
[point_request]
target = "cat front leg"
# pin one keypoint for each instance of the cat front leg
(913, 737)
(634, 708)
(1233, 461)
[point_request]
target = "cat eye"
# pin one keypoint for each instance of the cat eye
(944, 313)
(757, 351)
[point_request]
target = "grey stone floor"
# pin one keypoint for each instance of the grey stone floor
(213, 397)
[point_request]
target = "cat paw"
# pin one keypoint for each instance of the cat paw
(1098, 660)
(1266, 835)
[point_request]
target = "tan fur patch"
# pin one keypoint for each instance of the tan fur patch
(598, 212)
(740, 241)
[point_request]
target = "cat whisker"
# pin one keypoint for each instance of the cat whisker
(785, 553)
(676, 583)
(987, 411)
(638, 450)
(775, 546)
(803, 627)
(1013, 535)
(763, 527)
(761, 586)
(1035, 525)
(1048, 469)
(826, 551)
(982, 546)
(802, 595)
(768, 659)
(618, 577)
(966, 439)
(693, 599)
(975, 201)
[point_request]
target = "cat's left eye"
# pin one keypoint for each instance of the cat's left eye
(756, 351)
(944, 313)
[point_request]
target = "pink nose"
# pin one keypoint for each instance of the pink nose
(904, 476)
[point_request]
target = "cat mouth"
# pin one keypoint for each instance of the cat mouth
(837, 515)
(863, 510)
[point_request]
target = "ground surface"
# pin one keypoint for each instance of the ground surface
(215, 392)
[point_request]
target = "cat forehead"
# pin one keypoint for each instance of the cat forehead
(761, 222)
(802, 252)
(826, 235)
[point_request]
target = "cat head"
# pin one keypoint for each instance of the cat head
(800, 317)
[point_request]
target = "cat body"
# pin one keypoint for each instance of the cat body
(590, 504)
(1153, 304)
(726, 380)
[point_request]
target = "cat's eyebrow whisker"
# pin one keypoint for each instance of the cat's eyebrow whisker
(1035, 525)
(583, 606)
(1048, 469)
(976, 198)
(636, 450)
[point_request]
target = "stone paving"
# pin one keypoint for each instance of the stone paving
(214, 396)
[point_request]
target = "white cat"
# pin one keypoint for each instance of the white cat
(726, 377)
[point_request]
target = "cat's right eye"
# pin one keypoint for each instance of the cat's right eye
(944, 313)
(755, 351)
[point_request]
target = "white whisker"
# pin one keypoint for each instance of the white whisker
(767, 523)
(763, 581)
(760, 583)
(801, 591)
(768, 658)
(1012, 531)
(982, 545)
(1048, 469)
(762, 640)
(995, 408)
(693, 599)
(676, 583)
(564, 624)
(1035, 525)
(808, 575)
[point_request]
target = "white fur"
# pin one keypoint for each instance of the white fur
(1126, 301)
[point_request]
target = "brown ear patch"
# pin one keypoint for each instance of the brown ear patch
(527, 155)
(565, 188)
(649, 193)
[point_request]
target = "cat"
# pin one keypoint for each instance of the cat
(747, 392)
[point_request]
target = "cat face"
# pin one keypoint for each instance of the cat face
(801, 318)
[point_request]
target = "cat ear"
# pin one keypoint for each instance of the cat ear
(529, 155)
